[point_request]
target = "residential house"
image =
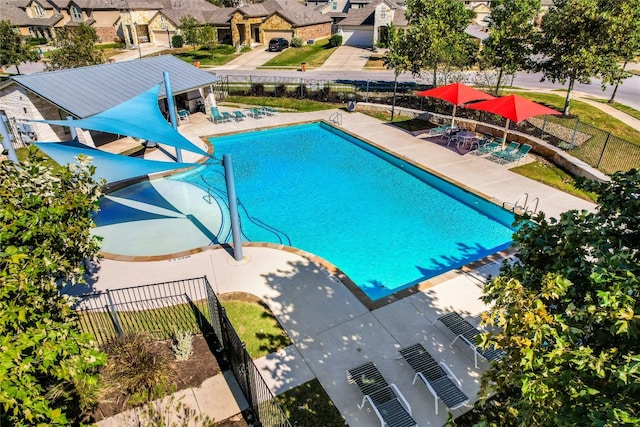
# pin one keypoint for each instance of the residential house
(33, 18)
(259, 22)
(367, 26)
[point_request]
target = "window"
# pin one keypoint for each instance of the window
(383, 14)
(334, 5)
(76, 13)
(37, 10)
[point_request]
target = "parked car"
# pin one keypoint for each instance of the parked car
(278, 44)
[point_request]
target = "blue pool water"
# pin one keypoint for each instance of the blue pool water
(385, 223)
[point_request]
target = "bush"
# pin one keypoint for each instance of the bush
(177, 41)
(302, 92)
(296, 42)
(133, 368)
(335, 41)
(245, 49)
(34, 41)
(182, 344)
(257, 89)
(281, 91)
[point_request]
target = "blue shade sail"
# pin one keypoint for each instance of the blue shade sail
(110, 167)
(139, 117)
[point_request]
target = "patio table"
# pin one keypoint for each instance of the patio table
(466, 138)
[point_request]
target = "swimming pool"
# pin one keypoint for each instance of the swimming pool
(387, 224)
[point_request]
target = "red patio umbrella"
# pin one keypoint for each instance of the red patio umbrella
(513, 108)
(457, 93)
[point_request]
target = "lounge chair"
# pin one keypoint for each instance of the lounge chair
(183, 115)
(438, 378)
(217, 117)
(467, 334)
(438, 131)
(510, 149)
(386, 400)
(239, 115)
(487, 148)
(513, 156)
(256, 113)
(269, 111)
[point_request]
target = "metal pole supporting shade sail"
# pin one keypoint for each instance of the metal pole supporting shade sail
(513, 108)
(456, 93)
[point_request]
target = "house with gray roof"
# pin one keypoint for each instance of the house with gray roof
(367, 26)
(259, 22)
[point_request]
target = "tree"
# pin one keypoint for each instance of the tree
(623, 27)
(12, 50)
(567, 313)
(398, 57)
(75, 47)
(574, 44)
(46, 365)
(208, 37)
(190, 30)
(511, 36)
(436, 31)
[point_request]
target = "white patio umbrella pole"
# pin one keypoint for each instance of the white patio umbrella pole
(506, 131)
(453, 115)
(233, 207)
(172, 109)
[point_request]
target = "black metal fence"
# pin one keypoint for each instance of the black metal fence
(596, 147)
(189, 305)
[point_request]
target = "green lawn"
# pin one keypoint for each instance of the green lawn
(299, 105)
(309, 405)
(313, 55)
(257, 327)
(219, 55)
(553, 176)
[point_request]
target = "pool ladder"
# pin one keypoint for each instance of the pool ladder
(522, 204)
(336, 118)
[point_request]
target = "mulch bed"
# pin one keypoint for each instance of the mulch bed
(186, 374)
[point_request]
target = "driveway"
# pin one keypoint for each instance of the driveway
(346, 58)
(249, 60)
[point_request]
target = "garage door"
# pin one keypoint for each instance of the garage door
(362, 38)
(160, 38)
(273, 34)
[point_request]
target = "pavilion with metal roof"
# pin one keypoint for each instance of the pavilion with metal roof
(86, 91)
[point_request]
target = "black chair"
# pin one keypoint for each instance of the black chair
(468, 333)
(387, 402)
(441, 382)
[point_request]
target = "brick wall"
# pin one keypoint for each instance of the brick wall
(313, 32)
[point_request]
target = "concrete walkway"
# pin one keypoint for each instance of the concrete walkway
(331, 329)
(346, 58)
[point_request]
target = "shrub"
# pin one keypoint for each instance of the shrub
(335, 40)
(257, 89)
(133, 367)
(296, 42)
(182, 344)
(281, 91)
(245, 49)
(34, 41)
(301, 92)
(177, 41)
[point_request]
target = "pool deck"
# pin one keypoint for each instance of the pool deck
(331, 329)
